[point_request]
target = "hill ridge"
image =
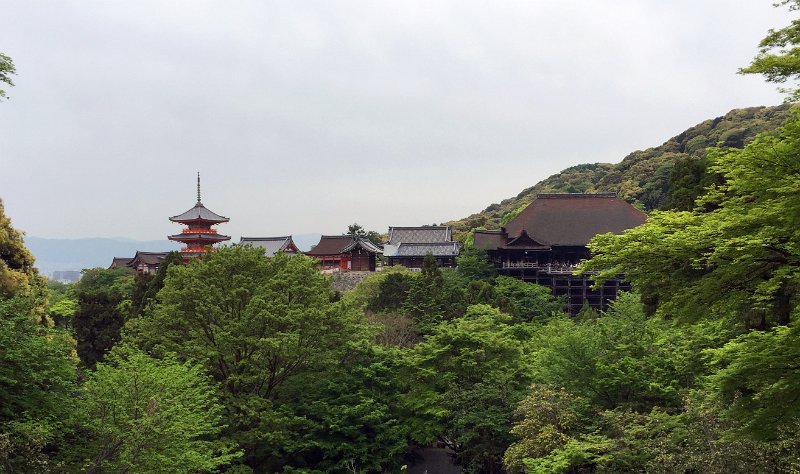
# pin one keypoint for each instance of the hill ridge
(643, 176)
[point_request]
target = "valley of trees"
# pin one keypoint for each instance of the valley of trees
(241, 363)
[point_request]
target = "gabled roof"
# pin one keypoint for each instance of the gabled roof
(199, 213)
(271, 245)
(428, 235)
(121, 262)
(147, 258)
(525, 241)
(339, 244)
(437, 249)
(573, 219)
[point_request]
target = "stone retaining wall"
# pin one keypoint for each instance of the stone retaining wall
(346, 281)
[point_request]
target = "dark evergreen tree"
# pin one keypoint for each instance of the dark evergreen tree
(103, 305)
(426, 301)
(392, 292)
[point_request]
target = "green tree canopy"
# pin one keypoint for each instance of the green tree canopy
(465, 380)
(16, 262)
(37, 386)
(779, 55)
(103, 305)
(736, 253)
(256, 324)
(151, 415)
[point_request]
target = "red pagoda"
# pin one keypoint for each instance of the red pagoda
(199, 237)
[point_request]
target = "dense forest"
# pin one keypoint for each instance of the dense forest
(241, 363)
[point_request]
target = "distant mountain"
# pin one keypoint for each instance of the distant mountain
(77, 254)
(643, 177)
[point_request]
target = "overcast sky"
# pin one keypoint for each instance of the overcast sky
(306, 116)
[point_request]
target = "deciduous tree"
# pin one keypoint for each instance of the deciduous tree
(151, 415)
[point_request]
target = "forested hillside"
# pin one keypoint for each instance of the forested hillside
(644, 177)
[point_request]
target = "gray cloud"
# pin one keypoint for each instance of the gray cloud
(307, 116)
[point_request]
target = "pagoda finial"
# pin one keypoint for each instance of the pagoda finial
(198, 186)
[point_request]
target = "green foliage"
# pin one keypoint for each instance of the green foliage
(474, 264)
(464, 382)
(151, 415)
(427, 298)
(37, 383)
(616, 360)
(367, 292)
(357, 230)
(267, 331)
(736, 253)
(779, 55)
(687, 182)
(392, 292)
(103, 304)
(16, 262)
(526, 301)
(350, 415)
(690, 440)
(7, 70)
(549, 418)
(757, 379)
(63, 303)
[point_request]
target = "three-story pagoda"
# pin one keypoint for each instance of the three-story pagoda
(198, 237)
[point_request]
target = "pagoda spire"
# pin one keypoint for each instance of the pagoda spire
(199, 236)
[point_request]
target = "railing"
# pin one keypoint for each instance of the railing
(565, 268)
(199, 231)
(194, 249)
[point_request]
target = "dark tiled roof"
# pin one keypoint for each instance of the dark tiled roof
(121, 262)
(271, 245)
(573, 219)
(427, 235)
(339, 244)
(440, 249)
(199, 213)
(209, 237)
(147, 258)
(524, 240)
(489, 239)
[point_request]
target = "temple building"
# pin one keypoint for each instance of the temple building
(272, 245)
(142, 262)
(408, 246)
(198, 237)
(345, 253)
(546, 241)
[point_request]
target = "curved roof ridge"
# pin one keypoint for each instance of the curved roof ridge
(199, 213)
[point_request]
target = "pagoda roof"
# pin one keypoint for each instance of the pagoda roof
(199, 213)
(339, 244)
(271, 245)
(199, 236)
(424, 234)
(572, 219)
